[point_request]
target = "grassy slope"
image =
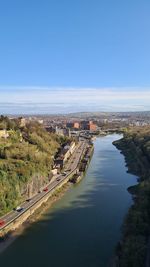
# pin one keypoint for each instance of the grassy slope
(26, 158)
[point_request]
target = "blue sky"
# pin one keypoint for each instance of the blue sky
(63, 56)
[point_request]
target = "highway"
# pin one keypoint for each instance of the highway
(70, 166)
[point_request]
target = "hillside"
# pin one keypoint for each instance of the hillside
(133, 248)
(26, 158)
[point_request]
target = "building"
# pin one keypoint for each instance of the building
(76, 125)
(62, 158)
(72, 147)
(73, 125)
(88, 125)
(64, 155)
(85, 125)
(92, 126)
(62, 131)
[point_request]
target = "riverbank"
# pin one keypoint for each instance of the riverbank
(84, 163)
(38, 209)
(10, 237)
(133, 248)
(82, 227)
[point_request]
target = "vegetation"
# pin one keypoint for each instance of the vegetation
(132, 249)
(26, 158)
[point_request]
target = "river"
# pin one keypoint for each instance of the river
(83, 227)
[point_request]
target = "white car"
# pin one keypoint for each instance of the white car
(19, 209)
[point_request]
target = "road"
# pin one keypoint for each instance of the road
(70, 166)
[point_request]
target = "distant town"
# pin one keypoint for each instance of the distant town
(88, 122)
(81, 126)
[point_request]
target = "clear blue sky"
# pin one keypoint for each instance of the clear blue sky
(75, 44)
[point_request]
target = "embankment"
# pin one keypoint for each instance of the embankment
(84, 163)
(133, 249)
(27, 213)
(53, 195)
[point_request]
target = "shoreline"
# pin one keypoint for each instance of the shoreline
(135, 229)
(8, 237)
(11, 236)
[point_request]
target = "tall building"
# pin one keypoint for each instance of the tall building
(88, 125)
(76, 125)
(73, 125)
(92, 126)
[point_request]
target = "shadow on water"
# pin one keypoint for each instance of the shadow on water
(83, 227)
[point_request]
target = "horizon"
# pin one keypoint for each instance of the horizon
(47, 100)
(96, 113)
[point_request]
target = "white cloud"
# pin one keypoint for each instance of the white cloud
(75, 99)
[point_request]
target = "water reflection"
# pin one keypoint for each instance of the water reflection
(83, 227)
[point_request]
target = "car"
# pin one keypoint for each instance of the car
(45, 189)
(2, 223)
(58, 179)
(19, 209)
(28, 200)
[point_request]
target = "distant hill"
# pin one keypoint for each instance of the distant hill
(108, 114)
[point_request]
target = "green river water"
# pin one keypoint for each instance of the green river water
(83, 227)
